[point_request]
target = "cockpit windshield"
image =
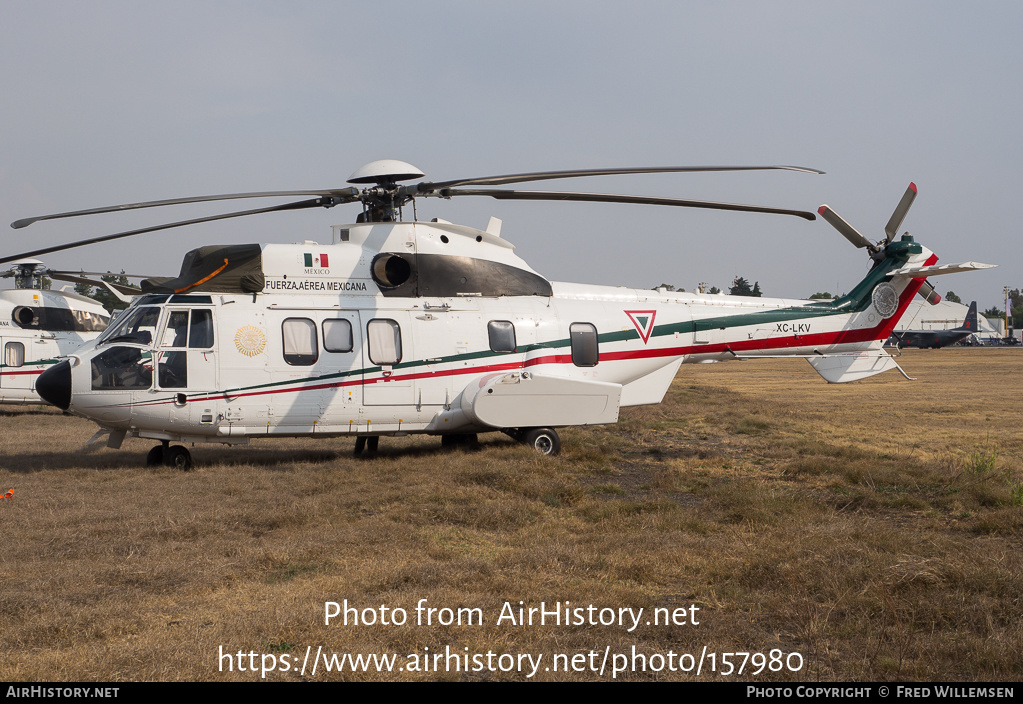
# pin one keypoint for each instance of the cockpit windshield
(136, 326)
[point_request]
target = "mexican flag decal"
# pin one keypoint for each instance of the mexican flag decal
(317, 260)
(644, 322)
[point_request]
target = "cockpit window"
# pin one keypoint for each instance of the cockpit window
(192, 329)
(184, 330)
(176, 334)
(200, 329)
(137, 326)
(122, 368)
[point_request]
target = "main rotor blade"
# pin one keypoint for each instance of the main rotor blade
(315, 202)
(892, 228)
(428, 187)
(612, 198)
(343, 193)
(850, 232)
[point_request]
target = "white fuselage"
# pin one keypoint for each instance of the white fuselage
(322, 349)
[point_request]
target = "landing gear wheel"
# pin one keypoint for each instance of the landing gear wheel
(543, 440)
(372, 443)
(178, 457)
(155, 456)
(360, 445)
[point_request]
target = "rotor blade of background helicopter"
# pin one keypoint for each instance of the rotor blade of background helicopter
(551, 175)
(612, 198)
(892, 228)
(129, 290)
(350, 193)
(56, 272)
(315, 202)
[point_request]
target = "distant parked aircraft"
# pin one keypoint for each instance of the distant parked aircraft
(938, 338)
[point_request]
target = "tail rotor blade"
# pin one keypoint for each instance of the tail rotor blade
(892, 228)
(847, 230)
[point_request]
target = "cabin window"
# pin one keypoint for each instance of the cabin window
(502, 336)
(14, 354)
(300, 345)
(584, 345)
(337, 335)
(384, 337)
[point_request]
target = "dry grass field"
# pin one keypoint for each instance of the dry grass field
(873, 528)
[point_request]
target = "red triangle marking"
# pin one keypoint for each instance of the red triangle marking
(643, 320)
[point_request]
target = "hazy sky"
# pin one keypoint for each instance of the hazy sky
(114, 102)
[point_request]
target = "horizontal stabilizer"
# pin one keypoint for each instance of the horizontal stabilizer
(918, 272)
(853, 366)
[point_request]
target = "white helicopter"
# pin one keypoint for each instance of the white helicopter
(39, 325)
(401, 326)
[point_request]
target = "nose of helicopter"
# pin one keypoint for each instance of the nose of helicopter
(54, 385)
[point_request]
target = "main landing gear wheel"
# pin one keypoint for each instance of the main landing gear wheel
(543, 440)
(178, 457)
(170, 456)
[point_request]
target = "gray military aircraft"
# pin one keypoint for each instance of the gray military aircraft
(938, 338)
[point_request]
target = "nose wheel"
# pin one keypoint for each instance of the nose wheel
(170, 456)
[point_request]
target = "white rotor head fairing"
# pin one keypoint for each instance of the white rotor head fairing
(385, 171)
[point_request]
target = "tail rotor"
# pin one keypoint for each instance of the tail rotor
(877, 250)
